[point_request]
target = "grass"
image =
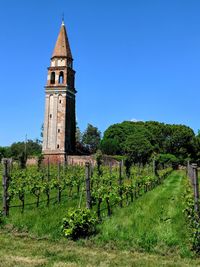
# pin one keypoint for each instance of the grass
(46, 221)
(17, 250)
(42, 221)
(150, 232)
(154, 223)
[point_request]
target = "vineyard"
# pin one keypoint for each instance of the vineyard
(55, 189)
(142, 211)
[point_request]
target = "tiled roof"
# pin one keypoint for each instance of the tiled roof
(62, 48)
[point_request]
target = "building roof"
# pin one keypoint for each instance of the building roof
(62, 47)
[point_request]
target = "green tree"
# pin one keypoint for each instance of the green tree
(167, 159)
(178, 140)
(5, 152)
(110, 146)
(91, 138)
(138, 148)
(30, 148)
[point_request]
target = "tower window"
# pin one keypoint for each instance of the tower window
(58, 146)
(50, 116)
(60, 101)
(58, 130)
(61, 77)
(53, 77)
(69, 64)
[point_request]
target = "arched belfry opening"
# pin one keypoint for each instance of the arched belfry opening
(61, 78)
(53, 76)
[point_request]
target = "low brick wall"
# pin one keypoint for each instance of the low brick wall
(32, 161)
(76, 160)
(80, 160)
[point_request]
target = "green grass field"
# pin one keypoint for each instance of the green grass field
(150, 232)
(154, 223)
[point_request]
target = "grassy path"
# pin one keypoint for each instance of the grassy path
(154, 223)
(150, 232)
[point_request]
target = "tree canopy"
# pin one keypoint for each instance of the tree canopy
(140, 139)
(30, 148)
(91, 138)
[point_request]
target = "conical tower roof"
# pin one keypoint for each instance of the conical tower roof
(62, 47)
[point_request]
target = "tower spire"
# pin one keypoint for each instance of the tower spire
(62, 47)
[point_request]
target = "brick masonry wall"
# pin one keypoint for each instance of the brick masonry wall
(72, 160)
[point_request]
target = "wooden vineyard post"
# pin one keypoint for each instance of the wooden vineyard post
(154, 167)
(59, 190)
(120, 184)
(122, 167)
(65, 164)
(187, 168)
(191, 174)
(196, 187)
(5, 183)
(87, 183)
(48, 179)
(48, 174)
(91, 174)
(91, 170)
(110, 170)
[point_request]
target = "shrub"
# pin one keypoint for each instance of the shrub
(79, 223)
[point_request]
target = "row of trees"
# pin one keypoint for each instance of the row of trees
(142, 140)
(86, 143)
(21, 149)
(136, 141)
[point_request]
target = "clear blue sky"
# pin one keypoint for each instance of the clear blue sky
(134, 59)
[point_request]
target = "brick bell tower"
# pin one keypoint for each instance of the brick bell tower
(60, 121)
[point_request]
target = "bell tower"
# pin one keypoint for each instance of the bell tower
(60, 121)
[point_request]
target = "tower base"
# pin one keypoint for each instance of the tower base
(54, 157)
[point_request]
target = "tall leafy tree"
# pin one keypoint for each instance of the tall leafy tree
(91, 138)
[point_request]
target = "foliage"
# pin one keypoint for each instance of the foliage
(109, 146)
(138, 148)
(79, 223)
(197, 147)
(65, 186)
(119, 157)
(91, 138)
(192, 217)
(5, 152)
(159, 138)
(20, 149)
(167, 159)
